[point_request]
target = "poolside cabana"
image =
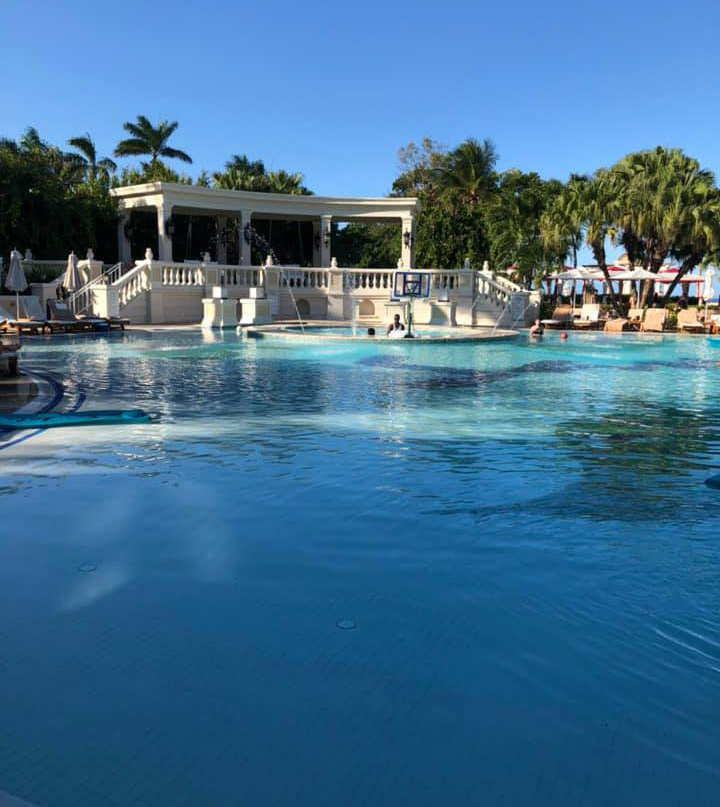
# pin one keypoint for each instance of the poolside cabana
(167, 199)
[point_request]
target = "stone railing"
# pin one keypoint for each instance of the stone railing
(134, 282)
(489, 289)
(501, 280)
(303, 278)
(180, 274)
(232, 276)
(354, 279)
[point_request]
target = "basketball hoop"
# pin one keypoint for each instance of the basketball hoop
(410, 286)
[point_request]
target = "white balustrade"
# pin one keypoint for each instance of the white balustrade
(304, 278)
(182, 274)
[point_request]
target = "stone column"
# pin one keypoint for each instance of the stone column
(244, 246)
(408, 251)
(325, 240)
(124, 254)
(164, 240)
(221, 245)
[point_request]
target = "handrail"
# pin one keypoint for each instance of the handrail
(500, 281)
(80, 300)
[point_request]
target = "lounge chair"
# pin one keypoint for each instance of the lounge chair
(635, 317)
(60, 312)
(20, 325)
(34, 311)
(654, 320)
(687, 321)
(112, 322)
(617, 325)
(561, 317)
(589, 317)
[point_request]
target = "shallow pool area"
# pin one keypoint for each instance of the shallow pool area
(353, 573)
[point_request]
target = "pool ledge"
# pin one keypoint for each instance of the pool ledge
(314, 333)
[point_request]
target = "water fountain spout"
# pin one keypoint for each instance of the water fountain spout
(272, 260)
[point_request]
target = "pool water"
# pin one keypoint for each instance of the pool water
(357, 574)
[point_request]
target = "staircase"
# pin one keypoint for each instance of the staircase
(81, 300)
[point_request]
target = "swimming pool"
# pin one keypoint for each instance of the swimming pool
(356, 574)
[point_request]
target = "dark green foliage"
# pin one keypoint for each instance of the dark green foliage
(372, 246)
(47, 204)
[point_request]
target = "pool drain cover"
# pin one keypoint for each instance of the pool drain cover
(346, 624)
(87, 567)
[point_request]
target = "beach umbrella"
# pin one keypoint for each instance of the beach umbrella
(71, 279)
(16, 280)
(708, 291)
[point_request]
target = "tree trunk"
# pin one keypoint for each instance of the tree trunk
(685, 267)
(599, 254)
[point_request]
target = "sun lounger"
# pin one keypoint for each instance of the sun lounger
(60, 312)
(112, 322)
(34, 310)
(561, 317)
(21, 325)
(589, 317)
(617, 325)
(654, 320)
(687, 321)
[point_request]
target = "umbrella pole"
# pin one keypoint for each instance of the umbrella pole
(17, 304)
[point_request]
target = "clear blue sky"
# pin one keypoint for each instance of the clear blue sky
(333, 89)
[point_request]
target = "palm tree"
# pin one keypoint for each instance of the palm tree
(470, 170)
(284, 182)
(150, 140)
(664, 203)
(88, 157)
(562, 222)
(586, 205)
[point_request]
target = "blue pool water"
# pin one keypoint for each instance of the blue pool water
(352, 574)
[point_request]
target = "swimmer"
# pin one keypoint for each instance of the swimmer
(537, 329)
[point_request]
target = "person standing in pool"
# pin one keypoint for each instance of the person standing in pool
(537, 329)
(395, 325)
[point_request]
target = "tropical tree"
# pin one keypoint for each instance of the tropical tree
(283, 182)
(665, 205)
(585, 205)
(46, 204)
(513, 225)
(470, 171)
(150, 140)
(420, 165)
(561, 222)
(89, 160)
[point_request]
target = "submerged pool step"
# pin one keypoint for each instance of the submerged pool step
(98, 417)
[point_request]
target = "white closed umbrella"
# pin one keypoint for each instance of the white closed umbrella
(16, 280)
(708, 287)
(71, 279)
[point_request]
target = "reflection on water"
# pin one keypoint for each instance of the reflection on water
(519, 532)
